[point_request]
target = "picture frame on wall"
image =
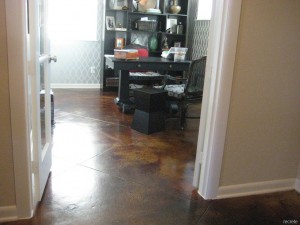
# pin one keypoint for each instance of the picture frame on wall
(119, 43)
(118, 4)
(110, 23)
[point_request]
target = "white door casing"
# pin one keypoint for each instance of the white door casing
(16, 22)
(216, 96)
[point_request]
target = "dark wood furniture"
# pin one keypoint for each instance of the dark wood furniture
(149, 116)
(127, 19)
(182, 95)
(148, 63)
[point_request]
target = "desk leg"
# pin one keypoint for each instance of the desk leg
(123, 92)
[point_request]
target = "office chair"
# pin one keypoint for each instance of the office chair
(190, 90)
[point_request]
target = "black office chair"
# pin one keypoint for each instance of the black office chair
(188, 91)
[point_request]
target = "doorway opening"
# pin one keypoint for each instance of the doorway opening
(20, 177)
(80, 111)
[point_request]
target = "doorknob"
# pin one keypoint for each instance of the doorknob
(53, 58)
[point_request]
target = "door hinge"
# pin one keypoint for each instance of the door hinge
(34, 167)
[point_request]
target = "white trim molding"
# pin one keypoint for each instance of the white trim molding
(16, 21)
(216, 97)
(76, 85)
(8, 213)
(256, 188)
(297, 185)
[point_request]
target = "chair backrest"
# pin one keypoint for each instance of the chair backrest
(195, 78)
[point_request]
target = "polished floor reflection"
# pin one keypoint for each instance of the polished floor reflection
(108, 174)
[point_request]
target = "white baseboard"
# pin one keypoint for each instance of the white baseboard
(256, 188)
(297, 185)
(8, 213)
(76, 86)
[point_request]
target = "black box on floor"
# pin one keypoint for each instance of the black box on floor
(150, 99)
(149, 114)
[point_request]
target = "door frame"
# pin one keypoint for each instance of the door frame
(213, 116)
(16, 23)
(216, 96)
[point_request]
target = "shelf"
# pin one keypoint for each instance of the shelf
(147, 31)
(148, 14)
(116, 30)
(157, 32)
(170, 14)
(128, 19)
(117, 10)
(110, 52)
(155, 52)
(156, 14)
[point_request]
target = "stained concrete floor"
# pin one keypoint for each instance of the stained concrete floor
(108, 174)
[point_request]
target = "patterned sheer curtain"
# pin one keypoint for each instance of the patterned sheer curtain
(78, 50)
(198, 33)
(192, 16)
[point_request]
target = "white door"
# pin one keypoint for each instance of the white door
(40, 96)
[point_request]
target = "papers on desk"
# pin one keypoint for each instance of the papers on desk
(176, 53)
(165, 54)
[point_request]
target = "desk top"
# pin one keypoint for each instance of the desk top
(147, 63)
(146, 59)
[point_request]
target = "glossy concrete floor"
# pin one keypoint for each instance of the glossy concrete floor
(108, 174)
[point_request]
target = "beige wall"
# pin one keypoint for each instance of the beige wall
(7, 188)
(298, 176)
(262, 141)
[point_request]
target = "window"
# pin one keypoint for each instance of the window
(204, 9)
(73, 20)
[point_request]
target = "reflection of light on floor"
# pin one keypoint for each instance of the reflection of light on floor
(172, 167)
(74, 187)
(187, 172)
(76, 136)
(74, 141)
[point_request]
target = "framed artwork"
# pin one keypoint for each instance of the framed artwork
(118, 4)
(119, 43)
(171, 25)
(110, 23)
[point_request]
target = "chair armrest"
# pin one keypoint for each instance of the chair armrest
(174, 80)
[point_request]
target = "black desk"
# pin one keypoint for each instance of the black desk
(148, 63)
